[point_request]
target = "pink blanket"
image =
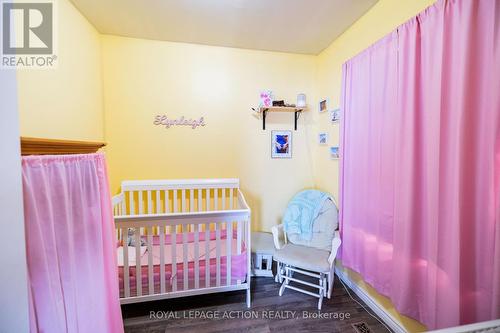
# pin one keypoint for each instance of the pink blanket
(238, 263)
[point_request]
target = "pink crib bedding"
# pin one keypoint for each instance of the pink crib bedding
(176, 282)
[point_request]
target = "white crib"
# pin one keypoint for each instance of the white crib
(191, 237)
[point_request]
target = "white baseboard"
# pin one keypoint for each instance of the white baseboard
(375, 306)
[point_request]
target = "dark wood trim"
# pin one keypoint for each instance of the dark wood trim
(38, 146)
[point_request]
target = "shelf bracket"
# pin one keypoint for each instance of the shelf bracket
(297, 115)
(264, 114)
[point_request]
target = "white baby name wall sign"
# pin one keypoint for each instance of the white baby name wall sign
(163, 120)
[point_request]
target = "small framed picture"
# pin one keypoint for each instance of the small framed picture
(323, 105)
(266, 98)
(281, 144)
(323, 138)
(334, 153)
(335, 115)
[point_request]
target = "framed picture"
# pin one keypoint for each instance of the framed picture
(323, 138)
(335, 115)
(266, 98)
(323, 105)
(334, 153)
(281, 144)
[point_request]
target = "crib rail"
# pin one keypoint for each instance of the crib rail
(172, 196)
(191, 237)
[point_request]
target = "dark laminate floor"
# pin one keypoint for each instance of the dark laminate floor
(264, 299)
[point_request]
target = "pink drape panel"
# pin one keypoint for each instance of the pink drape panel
(70, 244)
(420, 172)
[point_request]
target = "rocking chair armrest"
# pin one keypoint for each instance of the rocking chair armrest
(278, 236)
(335, 246)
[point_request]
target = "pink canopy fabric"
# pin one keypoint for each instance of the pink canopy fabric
(70, 245)
(420, 164)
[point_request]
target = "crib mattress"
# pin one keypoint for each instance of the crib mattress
(176, 282)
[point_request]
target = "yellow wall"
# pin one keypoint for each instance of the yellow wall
(381, 19)
(65, 102)
(144, 78)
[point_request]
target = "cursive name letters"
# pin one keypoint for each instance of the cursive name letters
(163, 120)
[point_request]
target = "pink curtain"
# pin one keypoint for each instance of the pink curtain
(70, 244)
(420, 170)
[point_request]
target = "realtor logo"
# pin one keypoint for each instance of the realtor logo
(28, 34)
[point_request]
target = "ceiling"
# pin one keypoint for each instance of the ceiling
(297, 26)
